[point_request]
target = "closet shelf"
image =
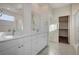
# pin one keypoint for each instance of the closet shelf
(63, 29)
(63, 36)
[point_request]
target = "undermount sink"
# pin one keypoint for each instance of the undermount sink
(5, 36)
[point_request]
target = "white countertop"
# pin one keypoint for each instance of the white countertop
(4, 38)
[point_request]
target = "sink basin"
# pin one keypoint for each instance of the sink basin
(5, 36)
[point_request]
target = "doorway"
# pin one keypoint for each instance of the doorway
(63, 29)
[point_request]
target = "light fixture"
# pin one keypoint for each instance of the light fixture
(1, 12)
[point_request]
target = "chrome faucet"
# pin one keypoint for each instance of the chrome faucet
(13, 32)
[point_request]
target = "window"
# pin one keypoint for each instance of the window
(7, 17)
(52, 27)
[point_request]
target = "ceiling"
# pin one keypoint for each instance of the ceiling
(18, 7)
(58, 5)
(13, 7)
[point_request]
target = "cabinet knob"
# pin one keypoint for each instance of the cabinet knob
(19, 47)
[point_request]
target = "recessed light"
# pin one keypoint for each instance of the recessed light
(8, 8)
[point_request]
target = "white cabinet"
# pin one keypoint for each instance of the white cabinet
(16, 47)
(35, 44)
(38, 43)
(9, 47)
(20, 47)
(27, 47)
(24, 46)
(45, 39)
(10, 51)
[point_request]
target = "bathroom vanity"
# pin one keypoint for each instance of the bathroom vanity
(20, 38)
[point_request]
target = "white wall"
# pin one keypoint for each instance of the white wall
(51, 21)
(75, 28)
(71, 10)
(75, 9)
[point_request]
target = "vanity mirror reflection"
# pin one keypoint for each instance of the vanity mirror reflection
(11, 20)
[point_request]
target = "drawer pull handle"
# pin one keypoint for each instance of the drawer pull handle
(19, 47)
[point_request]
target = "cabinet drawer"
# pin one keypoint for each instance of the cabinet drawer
(13, 50)
(36, 44)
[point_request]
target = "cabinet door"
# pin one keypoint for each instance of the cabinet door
(13, 50)
(16, 47)
(27, 47)
(38, 43)
(20, 47)
(24, 47)
(9, 47)
(35, 45)
(45, 39)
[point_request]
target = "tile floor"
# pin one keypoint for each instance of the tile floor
(61, 49)
(58, 49)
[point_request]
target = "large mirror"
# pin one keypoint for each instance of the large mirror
(11, 20)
